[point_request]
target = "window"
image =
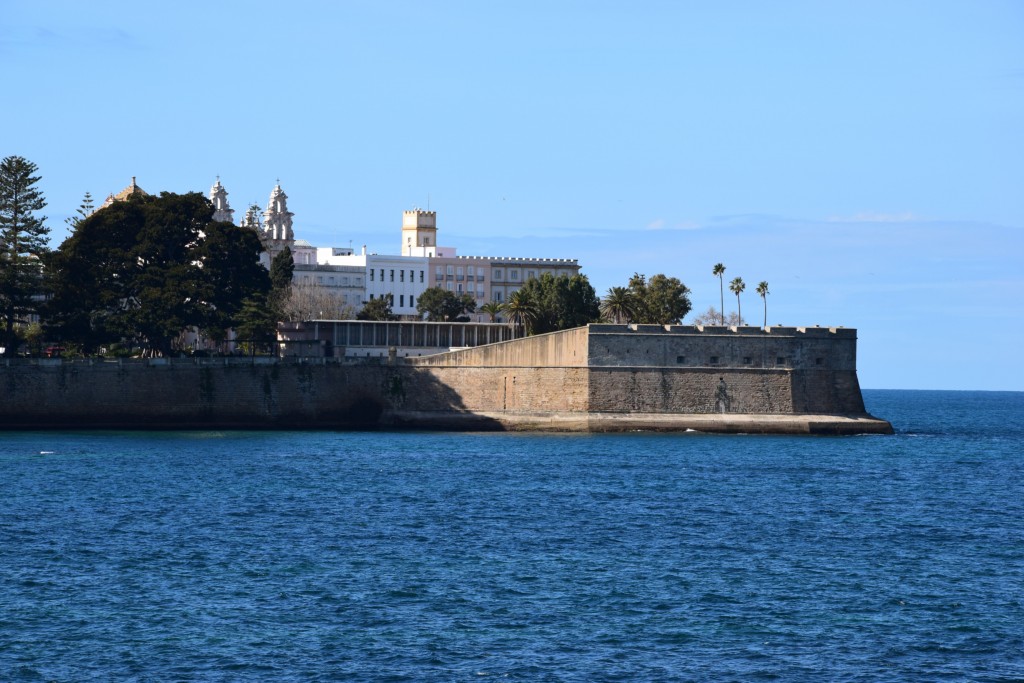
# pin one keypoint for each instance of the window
(450, 270)
(746, 360)
(401, 276)
(680, 359)
(471, 287)
(319, 279)
(458, 288)
(438, 272)
(344, 281)
(412, 300)
(497, 297)
(714, 360)
(513, 275)
(496, 274)
(531, 274)
(330, 280)
(421, 276)
(401, 300)
(819, 361)
(458, 273)
(449, 285)
(392, 274)
(371, 275)
(780, 361)
(382, 275)
(469, 271)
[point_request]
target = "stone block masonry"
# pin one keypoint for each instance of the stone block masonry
(597, 378)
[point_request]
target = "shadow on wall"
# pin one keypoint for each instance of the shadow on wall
(258, 396)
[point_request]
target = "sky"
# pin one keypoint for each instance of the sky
(862, 157)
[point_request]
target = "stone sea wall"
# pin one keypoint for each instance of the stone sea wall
(600, 378)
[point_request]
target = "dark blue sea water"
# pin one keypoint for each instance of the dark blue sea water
(465, 557)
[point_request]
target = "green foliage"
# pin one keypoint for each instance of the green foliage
(561, 302)
(441, 305)
(282, 268)
(84, 210)
(232, 276)
(378, 309)
(255, 322)
(762, 290)
(147, 268)
(736, 287)
(619, 305)
(492, 309)
(719, 272)
(662, 300)
(22, 245)
(521, 310)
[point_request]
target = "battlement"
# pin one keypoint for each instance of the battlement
(525, 261)
(729, 330)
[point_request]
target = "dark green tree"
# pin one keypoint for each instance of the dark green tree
(256, 322)
(662, 300)
(22, 246)
(141, 271)
(441, 305)
(618, 305)
(232, 276)
(84, 210)
(492, 309)
(719, 272)
(762, 290)
(562, 302)
(378, 309)
(736, 287)
(521, 311)
(282, 267)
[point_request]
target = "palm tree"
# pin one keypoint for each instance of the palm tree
(521, 311)
(619, 305)
(762, 289)
(491, 308)
(736, 286)
(719, 271)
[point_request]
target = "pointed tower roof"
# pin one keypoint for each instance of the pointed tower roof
(124, 194)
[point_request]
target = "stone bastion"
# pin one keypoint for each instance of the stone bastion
(594, 378)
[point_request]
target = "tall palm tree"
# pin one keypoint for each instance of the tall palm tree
(521, 311)
(762, 289)
(719, 271)
(619, 305)
(492, 309)
(736, 286)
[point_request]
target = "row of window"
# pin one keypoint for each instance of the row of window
(332, 281)
(391, 275)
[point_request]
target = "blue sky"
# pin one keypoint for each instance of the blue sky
(865, 158)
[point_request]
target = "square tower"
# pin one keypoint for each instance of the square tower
(419, 232)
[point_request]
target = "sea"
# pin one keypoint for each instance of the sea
(428, 556)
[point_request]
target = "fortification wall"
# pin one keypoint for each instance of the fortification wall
(186, 394)
(712, 346)
(557, 349)
(604, 378)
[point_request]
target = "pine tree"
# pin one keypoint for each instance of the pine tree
(85, 210)
(22, 244)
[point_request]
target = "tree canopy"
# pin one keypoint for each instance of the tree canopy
(145, 269)
(560, 303)
(662, 300)
(22, 245)
(378, 309)
(441, 305)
